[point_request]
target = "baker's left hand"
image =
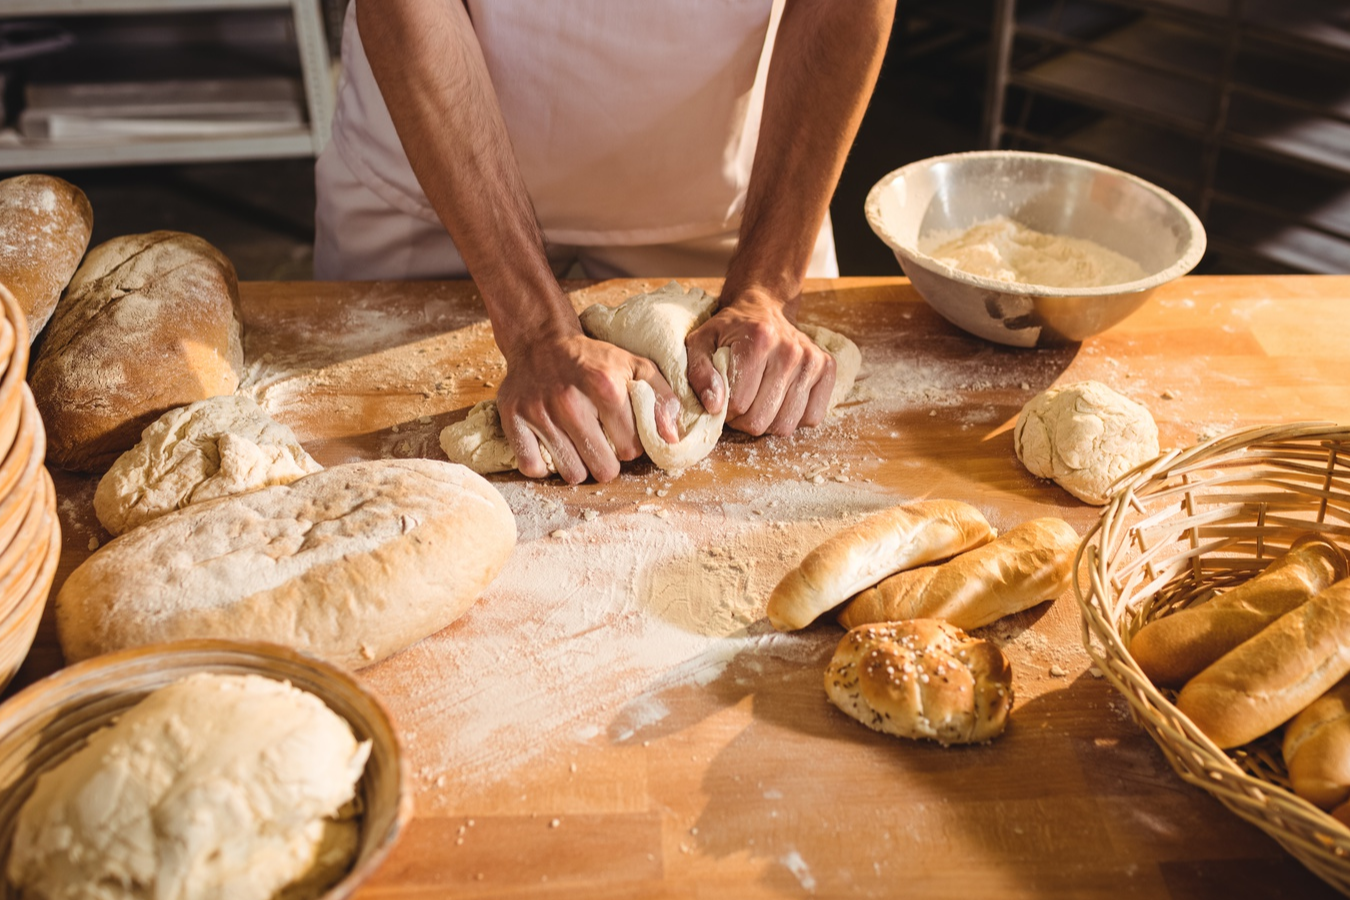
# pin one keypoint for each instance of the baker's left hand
(780, 379)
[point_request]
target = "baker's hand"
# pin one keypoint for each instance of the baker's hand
(571, 394)
(780, 379)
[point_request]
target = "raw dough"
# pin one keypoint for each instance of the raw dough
(653, 326)
(214, 786)
(1084, 436)
(1005, 250)
(208, 449)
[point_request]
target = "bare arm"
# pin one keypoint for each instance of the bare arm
(561, 387)
(825, 62)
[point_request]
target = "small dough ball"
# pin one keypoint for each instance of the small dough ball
(214, 786)
(923, 678)
(1084, 436)
(212, 448)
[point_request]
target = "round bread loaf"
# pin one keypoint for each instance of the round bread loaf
(1174, 649)
(148, 323)
(1027, 564)
(922, 679)
(45, 224)
(880, 545)
(350, 564)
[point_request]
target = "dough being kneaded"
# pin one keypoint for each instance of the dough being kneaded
(653, 326)
(1084, 436)
(212, 448)
(214, 786)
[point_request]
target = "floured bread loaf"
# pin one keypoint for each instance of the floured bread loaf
(1174, 649)
(214, 786)
(212, 448)
(882, 544)
(350, 564)
(149, 322)
(45, 224)
(653, 326)
(1017, 570)
(922, 679)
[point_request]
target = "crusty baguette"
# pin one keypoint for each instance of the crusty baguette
(882, 544)
(1269, 678)
(45, 224)
(1174, 649)
(922, 679)
(1015, 571)
(1317, 749)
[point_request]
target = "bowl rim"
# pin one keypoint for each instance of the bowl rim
(1188, 260)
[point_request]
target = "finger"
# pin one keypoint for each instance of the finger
(749, 360)
(818, 406)
(667, 404)
(579, 421)
(703, 378)
(615, 412)
(779, 375)
(524, 444)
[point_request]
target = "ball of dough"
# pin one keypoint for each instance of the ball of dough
(923, 678)
(213, 786)
(1084, 436)
(212, 448)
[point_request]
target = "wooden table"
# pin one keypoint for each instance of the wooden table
(614, 718)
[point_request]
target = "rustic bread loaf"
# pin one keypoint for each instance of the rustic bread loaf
(922, 679)
(148, 323)
(1317, 749)
(45, 223)
(208, 449)
(1015, 571)
(350, 564)
(1268, 679)
(880, 545)
(1174, 649)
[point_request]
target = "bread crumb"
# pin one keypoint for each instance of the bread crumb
(555, 823)
(93, 543)
(1057, 672)
(590, 515)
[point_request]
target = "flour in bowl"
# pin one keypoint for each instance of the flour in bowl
(1005, 250)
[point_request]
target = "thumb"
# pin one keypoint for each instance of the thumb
(703, 377)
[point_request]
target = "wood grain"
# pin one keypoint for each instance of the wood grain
(748, 783)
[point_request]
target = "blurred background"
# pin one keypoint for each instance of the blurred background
(205, 115)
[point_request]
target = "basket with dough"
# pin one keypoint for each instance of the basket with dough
(1181, 527)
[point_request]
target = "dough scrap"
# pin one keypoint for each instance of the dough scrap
(213, 786)
(212, 448)
(1084, 436)
(654, 326)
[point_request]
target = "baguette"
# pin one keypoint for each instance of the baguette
(880, 545)
(1317, 749)
(1174, 649)
(1269, 678)
(45, 224)
(1013, 572)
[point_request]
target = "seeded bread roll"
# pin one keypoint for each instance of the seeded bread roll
(45, 223)
(922, 679)
(149, 322)
(350, 564)
(880, 545)
(1016, 570)
(1174, 649)
(1317, 749)
(1268, 679)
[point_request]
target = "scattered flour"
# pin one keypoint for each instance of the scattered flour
(1005, 250)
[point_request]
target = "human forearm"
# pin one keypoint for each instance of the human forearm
(435, 82)
(825, 62)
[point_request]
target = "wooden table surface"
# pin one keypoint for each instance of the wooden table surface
(614, 717)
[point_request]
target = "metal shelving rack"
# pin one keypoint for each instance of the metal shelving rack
(307, 139)
(1242, 107)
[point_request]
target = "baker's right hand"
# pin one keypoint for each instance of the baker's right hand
(570, 393)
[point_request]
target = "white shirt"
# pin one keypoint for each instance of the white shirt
(633, 121)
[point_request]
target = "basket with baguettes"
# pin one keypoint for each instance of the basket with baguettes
(1192, 525)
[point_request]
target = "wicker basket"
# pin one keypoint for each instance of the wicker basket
(48, 721)
(1176, 530)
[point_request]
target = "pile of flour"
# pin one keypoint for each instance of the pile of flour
(1005, 250)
